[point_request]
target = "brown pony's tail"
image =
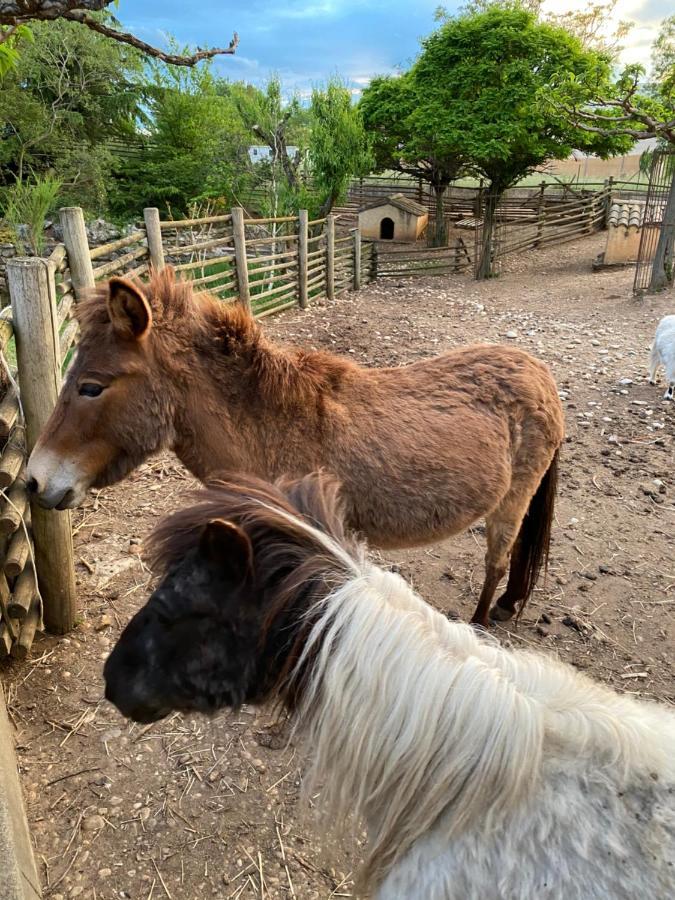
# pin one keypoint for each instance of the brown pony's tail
(530, 553)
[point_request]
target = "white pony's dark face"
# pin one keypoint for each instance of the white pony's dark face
(194, 646)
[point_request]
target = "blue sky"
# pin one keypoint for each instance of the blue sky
(306, 41)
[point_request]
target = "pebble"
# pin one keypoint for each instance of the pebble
(93, 823)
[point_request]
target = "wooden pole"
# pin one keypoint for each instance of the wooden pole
(33, 295)
(540, 213)
(154, 232)
(357, 259)
(77, 248)
(330, 257)
(303, 236)
(240, 259)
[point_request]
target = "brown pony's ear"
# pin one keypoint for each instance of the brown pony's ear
(128, 309)
(228, 545)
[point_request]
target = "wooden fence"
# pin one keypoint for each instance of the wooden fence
(521, 224)
(421, 261)
(37, 580)
(463, 201)
(547, 224)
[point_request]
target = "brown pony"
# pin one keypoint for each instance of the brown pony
(422, 451)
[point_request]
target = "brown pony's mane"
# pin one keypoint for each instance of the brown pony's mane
(218, 328)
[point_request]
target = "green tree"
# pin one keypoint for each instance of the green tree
(480, 78)
(69, 94)
(338, 145)
(278, 124)
(410, 143)
(197, 145)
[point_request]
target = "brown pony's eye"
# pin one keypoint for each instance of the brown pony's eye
(89, 389)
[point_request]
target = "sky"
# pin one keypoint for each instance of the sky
(308, 41)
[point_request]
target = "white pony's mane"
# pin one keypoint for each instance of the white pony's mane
(408, 717)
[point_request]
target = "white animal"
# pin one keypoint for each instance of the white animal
(481, 773)
(663, 354)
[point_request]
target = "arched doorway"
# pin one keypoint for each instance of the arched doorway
(387, 229)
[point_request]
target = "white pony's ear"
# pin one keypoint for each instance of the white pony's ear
(230, 547)
(129, 310)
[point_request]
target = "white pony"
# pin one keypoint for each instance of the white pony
(663, 354)
(480, 773)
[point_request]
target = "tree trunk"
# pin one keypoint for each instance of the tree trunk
(492, 198)
(662, 267)
(440, 235)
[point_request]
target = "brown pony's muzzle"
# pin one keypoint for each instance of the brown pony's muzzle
(56, 482)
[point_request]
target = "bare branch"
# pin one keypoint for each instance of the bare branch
(125, 38)
(16, 12)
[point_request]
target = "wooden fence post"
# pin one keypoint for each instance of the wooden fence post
(330, 257)
(154, 232)
(303, 237)
(357, 259)
(240, 258)
(77, 248)
(608, 199)
(540, 212)
(33, 295)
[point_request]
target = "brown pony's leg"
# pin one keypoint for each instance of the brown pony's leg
(501, 535)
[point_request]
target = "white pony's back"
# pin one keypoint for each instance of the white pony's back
(482, 772)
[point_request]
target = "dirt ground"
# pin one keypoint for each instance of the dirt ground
(189, 808)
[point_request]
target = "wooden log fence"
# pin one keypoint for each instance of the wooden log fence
(37, 576)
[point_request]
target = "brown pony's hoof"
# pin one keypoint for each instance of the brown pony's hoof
(480, 623)
(501, 614)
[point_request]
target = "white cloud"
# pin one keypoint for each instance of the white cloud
(638, 41)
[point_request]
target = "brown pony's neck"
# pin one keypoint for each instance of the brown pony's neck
(231, 383)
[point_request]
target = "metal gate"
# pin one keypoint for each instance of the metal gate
(654, 269)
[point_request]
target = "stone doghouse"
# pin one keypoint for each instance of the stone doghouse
(393, 218)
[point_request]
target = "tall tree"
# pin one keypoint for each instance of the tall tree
(480, 77)
(15, 15)
(279, 124)
(414, 145)
(339, 147)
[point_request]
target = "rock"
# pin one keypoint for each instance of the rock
(511, 334)
(93, 823)
(649, 489)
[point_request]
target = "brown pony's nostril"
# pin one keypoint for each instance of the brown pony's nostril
(32, 485)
